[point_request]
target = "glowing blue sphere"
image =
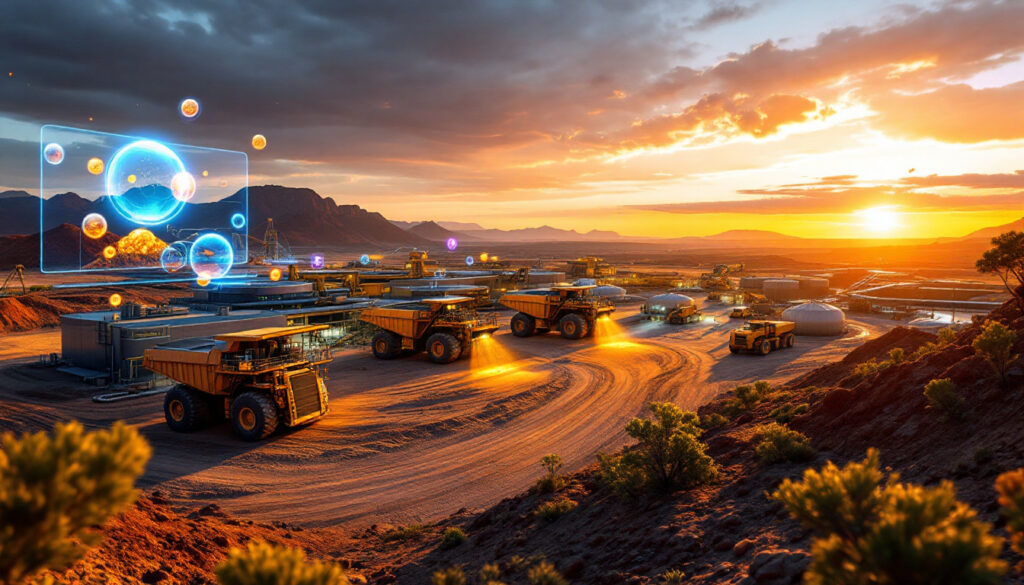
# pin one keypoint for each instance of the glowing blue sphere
(364, 259)
(469, 260)
(174, 257)
(211, 256)
(139, 179)
(238, 221)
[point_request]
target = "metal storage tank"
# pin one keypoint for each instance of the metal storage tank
(781, 289)
(816, 319)
(607, 291)
(753, 282)
(813, 286)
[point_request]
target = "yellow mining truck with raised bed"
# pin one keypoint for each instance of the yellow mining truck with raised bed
(259, 379)
(444, 327)
(572, 309)
(762, 337)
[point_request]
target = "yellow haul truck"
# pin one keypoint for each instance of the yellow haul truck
(259, 379)
(762, 337)
(570, 308)
(443, 326)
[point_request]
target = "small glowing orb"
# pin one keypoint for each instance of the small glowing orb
(259, 142)
(494, 258)
(53, 153)
(115, 300)
(211, 256)
(223, 183)
(451, 244)
(95, 165)
(206, 173)
(364, 259)
(316, 261)
(484, 256)
(172, 259)
(94, 226)
(880, 219)
(275, 274)
(183, 186)
(203, 281)
(238, 221)
(151, 199)
(109, 252)
(132, 179)
(469, 260)
(189, 108)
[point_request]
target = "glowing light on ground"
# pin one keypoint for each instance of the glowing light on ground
(881, 219)
(608, 333)
(489, 357)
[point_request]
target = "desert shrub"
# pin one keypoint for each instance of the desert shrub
(896, 356)
(56, 489)
(555, 509)
(544, 573)
(712, 421)
(449, 576)
(1010, 487)
(748, 396)
(745, 397)
(779, 443)
(673, 577)
(515, 563)
(870, 530)
(403, 533)
(946, 335)
(490, 574)
(787, 412)
(452, 537)
(943, 396)
(867, 368)
(669, 454)
(260, 563)
(995, 344)
(40, 287)
(551, 482)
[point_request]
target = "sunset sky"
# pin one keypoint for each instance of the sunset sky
(816, 119)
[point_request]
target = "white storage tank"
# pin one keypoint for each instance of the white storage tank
(781, 289)
(813, 287)
(608, 291)
(668, 302)
(816, 319)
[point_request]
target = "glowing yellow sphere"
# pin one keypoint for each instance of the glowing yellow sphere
(132, 179)
(115, 300)
(203, 281)
(109, 252)
(275, 274)
(259, 142)
(95, 165)
(94, 226)
(206, 173)
(484, 256)
(189, 108)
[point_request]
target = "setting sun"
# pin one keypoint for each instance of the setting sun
(884, 219)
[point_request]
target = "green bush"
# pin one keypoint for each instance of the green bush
(947, 335)
(265, 564)
(555, 509)
(544, 573)
(995, 344)
(403, 533)
(551, 482)
(712, 421)
(1010, 487)
(669, 454)
(874, 531)
(452, 537)
(896, 356)
(56, 490)
(449, 576)
(777, 443)
(490, 574)
(944, 397)
(673, 577)
(788, 412)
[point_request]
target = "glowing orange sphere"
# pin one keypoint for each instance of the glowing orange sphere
(94, 226)
(115, 300)
(109, 252)
(189, 108)
(259, 142)
(484, 257)
(203, 281)
(95, 165)
(275, 274)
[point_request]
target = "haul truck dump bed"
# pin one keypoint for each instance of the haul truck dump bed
(570, 308)
(444, 327)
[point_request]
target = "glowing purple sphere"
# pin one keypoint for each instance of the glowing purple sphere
(452, 244)
(316, 261)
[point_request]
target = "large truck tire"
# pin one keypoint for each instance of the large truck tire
(386, 345)
(764, 348)
(523, 325)
(788, 341)
(185, 409)
(254, 416)
(573, 326)
(443, 348)
(734, 349)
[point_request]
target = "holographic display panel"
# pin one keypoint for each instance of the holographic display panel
(114, 202)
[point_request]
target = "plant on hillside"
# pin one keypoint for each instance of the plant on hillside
(746, 397)
(669, 454)
(870, 530)
(555, 509)
(673, 577)
(260, 563)
(551, 482)
(1010, 487)
(449, 576)
(452, 537)
(490, 574)
(943, 396)
(544, 573)
(946, 335)
(777, 443)
(787, 412)
(1006, 260)
(896, 356)
(995, 344)
(56, 489)
(712, 421)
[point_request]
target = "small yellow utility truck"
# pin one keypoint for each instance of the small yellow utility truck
(444, 327)
(572, 309)
(762, 337)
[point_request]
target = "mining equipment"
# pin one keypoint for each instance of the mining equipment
(740, 313)
(419, 265)
(7, 289)
(718, 278)
(762, 337)
(672, 308)
(570, 308)
(259, 379)
(589, 267)
(274, 246)
(444, 327)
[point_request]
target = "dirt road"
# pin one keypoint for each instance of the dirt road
(407, 440)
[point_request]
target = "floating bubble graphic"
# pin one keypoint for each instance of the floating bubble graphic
(484, 256)
(183, 186)
(451, 244)
(151, 199)
(275, 274)
(259, 142)
(364, 259)
(94, 226)
(238, 221)
(211, 256)
(189, 107)
(469, 260)
(109, 252)
(115, 300)
(53, 153)
(95, 165)
(316, 261)
(174, 256)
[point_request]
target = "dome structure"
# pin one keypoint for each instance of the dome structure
(607, 291)
(670, 301)
(781, 289)
(816, 319)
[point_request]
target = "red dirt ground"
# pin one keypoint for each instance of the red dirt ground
(44, 308)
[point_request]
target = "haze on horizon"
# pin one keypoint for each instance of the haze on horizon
(873, 119)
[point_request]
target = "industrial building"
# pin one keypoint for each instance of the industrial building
(816, 319)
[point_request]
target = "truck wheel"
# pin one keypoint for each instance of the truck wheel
(789, 341)
(443, 348)
(523, 325)
(186, 409)
(734, 349)
(253, 416)
(386, 345)
(765, 348)
(573, 326)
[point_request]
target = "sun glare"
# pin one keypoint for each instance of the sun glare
(884, 219)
